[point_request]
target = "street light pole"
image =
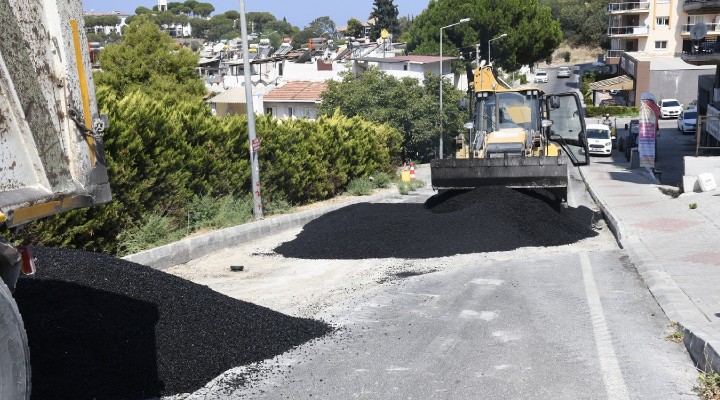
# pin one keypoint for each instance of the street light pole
(462, 21)
(499, 37)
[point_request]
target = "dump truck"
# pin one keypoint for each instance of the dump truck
(51, 147)
(517, 138)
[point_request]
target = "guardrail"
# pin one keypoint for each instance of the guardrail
(705, 46)
(630, 6)
(628, 30)
(614, 53)
(710, 27)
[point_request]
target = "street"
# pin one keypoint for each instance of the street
(566, 322)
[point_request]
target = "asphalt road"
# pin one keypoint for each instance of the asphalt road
(566, 322)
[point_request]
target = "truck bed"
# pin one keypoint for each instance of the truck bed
(48, 164)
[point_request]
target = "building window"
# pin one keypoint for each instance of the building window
(269, 111)
(405, 67)
(290, 112)
(662, 1)
(661, 45)
(662, 21)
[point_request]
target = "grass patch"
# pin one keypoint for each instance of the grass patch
(411, 186)
(381, 180)
(360, 187)
(156, 230)
(708, 386)
(677, 335)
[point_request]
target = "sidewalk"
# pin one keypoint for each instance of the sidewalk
(676, 249)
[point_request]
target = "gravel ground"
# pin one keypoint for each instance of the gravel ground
(104, 328)
(488, 219)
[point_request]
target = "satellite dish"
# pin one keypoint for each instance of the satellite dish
(647, 21)
(698, 31)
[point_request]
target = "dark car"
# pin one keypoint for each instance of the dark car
(631, 140)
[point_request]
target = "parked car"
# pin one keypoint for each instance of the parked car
(670, 108)
(599, 139)
(541, 76)
(564, 72)
(623, 140)
(614, 91)
(687, 121)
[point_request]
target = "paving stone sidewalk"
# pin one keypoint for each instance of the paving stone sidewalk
(674, 247)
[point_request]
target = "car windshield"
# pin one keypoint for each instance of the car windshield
(690, 115)
(671, 103)
(541, 73)
(598, 134)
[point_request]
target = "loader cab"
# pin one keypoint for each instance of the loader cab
(565, 125)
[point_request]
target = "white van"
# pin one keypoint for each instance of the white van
(599, 139)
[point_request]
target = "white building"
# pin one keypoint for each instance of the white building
(107, 29)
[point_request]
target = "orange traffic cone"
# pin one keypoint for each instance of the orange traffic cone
(412, 171)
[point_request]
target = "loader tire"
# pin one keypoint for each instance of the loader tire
(14, 351)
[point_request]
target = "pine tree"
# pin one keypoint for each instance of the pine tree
(385, 13)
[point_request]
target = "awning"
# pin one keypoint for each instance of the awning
(622, 82)
(235, 95)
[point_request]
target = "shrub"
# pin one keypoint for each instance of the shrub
(156, 230)
(360, 187)
(566, 56)
(617, 111)
(381, 180)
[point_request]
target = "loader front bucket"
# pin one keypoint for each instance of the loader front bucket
(515, 172)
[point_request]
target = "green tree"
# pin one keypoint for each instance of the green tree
(325, 26)
(232, 14)
(583, 23)
(532, 34)
(403, 104)
(257, 20)
(354, 28)
(281, 27)
(303, 37)
(221, 28)
(142, 10)
(200, 27)
(147, 59)
(203, 9)
(385, 13)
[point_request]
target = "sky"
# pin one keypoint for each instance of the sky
(297, 12)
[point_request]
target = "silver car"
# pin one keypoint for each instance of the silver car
(687, 121)
(564, 72)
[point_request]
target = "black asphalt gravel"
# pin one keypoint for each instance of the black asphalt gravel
(103, 328)
(486, 219)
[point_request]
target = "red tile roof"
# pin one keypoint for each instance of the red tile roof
(297, 91)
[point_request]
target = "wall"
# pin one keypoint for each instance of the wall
(695, 166)
(676, 84)
(280, 109)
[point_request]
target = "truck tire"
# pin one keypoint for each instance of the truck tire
(14, 351)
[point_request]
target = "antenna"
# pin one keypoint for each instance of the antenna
(698, 31)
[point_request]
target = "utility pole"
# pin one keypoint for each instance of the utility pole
(254, 141)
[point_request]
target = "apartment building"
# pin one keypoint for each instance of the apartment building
(647, 40)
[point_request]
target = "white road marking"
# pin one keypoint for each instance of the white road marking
(612, 375)
(493, 282)
(483, 315)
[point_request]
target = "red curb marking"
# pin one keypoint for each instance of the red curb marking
(668, 225)
(707, 258)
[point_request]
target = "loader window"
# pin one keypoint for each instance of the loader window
(568, 126)
(502, 110)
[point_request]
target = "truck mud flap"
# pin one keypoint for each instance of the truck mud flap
(515, 172)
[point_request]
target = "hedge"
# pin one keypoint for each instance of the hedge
(616, 111)
(164, 153)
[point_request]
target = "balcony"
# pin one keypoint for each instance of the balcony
(713, 29)
(628, 31)
(697, 7)
(629, 8)
(701, 52)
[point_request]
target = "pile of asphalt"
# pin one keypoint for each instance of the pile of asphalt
(103, 328)
(486, 219)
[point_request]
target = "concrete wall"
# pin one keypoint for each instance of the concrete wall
(695, 166)
(676, 84)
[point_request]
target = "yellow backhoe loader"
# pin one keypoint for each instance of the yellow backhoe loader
(518, 138)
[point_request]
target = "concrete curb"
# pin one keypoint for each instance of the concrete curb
(186, 250)
(698, 333)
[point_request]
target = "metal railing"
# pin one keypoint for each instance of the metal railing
(628, 30)
(699, 47)
(711, 27)
(640, 6)
(702, 2)
(614, 53)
